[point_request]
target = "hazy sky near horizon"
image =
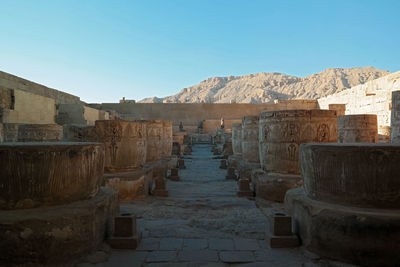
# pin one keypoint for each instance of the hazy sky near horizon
(102, 51)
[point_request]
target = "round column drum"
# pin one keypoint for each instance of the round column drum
(282, 132)
(237, 138)
(358, 128)
(154, 130)
(34, 174)
(250, 152)
(357, 174)
(166, 142)
(125, 144)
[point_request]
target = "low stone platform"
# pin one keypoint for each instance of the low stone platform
(57, 234)
(131, 185)
(273, 186)
(362, 236)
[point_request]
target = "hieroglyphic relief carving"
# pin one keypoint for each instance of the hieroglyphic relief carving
(323, 133)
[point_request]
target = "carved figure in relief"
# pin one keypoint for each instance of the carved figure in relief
(266, 134)
(291, 132)
(113, 135)
(292, 149)
(222, 123)
(323, 133)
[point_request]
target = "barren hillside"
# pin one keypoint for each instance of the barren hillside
(266, 87)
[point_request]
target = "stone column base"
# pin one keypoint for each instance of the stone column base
(56, 235)
(361, 236)
(273, 186)
(131, 185)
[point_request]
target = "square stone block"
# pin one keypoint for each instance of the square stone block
(280, 224)
(125, 226)
(289, 241)
(131, 242)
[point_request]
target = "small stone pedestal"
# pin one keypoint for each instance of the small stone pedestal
(244, 188)
(187, 150)
(181, 164)
(125, 233)
(160, 190)
(280, 232)
(174, 175)
(223, 164)
(231, 174)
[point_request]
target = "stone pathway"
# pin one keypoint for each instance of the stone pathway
(202, 223)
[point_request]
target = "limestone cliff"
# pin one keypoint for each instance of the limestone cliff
(266, 87)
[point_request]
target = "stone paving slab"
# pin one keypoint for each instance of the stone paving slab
(236, 256)
(161, 256)
(149, 244)
(194, 244)
(203, 223)
(198, 255)
(171, 243)
(221, 244)
(246, 244)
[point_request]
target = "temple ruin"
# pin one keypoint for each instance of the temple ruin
(289, 183)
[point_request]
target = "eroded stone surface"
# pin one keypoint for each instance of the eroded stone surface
(282, 132)
(125, 144)
(364, 175)
(34, 174)
(237, 138)
(56, 234)
(361, 128)
(250, 151)
(154, 135)
(362, 236)
(40, 133)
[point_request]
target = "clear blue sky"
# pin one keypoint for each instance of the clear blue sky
(104, 50)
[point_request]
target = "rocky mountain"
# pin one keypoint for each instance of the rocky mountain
(266, 87)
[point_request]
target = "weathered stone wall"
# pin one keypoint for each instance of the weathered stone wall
(40, 133)
(373, 97)
(192, 114)
(6, 100)
(30, 108)
(13, 82)
(79, 114)
(211, 126)
(395, 118)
